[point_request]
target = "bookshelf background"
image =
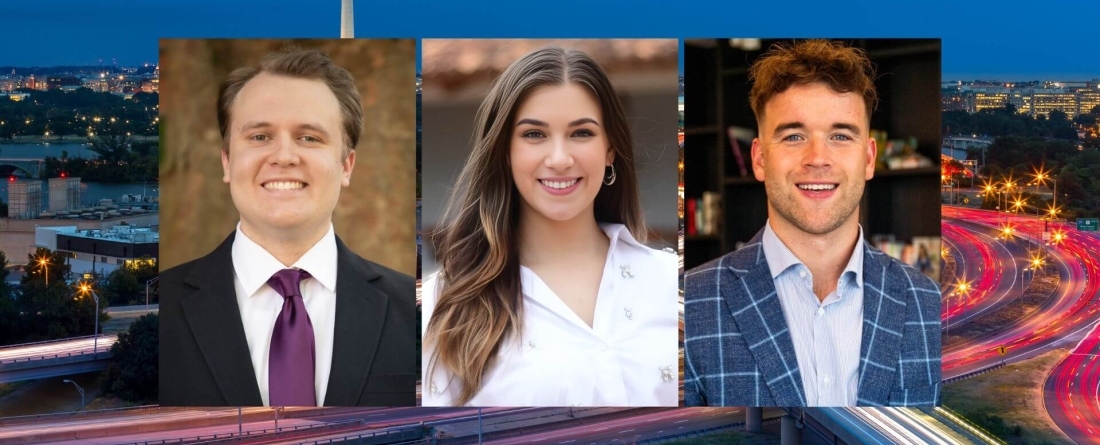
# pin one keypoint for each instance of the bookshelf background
(901, 204)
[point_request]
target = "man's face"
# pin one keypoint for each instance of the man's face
(285, 163)
(814, 154)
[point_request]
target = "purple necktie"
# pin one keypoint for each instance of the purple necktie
(290, 365)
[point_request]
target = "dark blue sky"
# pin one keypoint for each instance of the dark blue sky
(1011, 42)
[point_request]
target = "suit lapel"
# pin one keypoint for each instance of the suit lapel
(215, 320)
(884, 293)
(751, 297)
(360, 318)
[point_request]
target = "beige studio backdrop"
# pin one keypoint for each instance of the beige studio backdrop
(376, 213)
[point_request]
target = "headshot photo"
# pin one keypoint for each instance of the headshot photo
(288, 192)
(808, 284)
(549, 202)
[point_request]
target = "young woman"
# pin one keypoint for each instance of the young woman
(547, 296)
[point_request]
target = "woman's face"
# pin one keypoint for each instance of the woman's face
(559, 150)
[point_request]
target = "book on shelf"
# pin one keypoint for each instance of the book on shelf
(741, 159)
(701, 215)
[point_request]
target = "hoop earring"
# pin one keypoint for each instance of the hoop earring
(609, 179)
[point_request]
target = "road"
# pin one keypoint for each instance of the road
(57, 348)
(1070, 319)
(1072, 390)
(975, 248)
(1060, 322)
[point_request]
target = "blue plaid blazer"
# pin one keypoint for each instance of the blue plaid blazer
(738, 350)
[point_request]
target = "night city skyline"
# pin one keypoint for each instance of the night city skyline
(984, 49)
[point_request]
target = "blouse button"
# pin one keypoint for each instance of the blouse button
(602, 347)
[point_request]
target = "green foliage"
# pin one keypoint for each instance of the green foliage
(1005, 122)
(40, 311)
(126, 285)
(8, 313)
(120, 160)
(134, 374)
(1077, 172)
(74, 114)
(996, 425)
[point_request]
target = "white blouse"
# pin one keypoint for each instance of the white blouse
(627, 358)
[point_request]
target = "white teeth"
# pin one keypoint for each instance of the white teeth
(284, 185)
(559, 184)
(817, 187)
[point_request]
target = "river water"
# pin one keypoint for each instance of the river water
(92, 192)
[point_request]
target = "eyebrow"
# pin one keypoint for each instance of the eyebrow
(263, 124)
(799, 125)
(538, 123)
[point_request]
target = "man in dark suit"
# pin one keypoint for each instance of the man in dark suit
(808, 313)
(283, 313)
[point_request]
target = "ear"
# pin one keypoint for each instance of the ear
(757, 160)
(872, 153)
(348, 165)
(610, 156)
(225, 164)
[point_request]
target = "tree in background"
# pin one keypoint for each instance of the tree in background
(8, 314)
(56, 310)
(133, 376)
(126, 285)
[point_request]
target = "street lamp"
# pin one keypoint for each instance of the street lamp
(79, 389)
(86, 289)
(147, 283)
(960, 289)
(1042, 177)
(43, 262)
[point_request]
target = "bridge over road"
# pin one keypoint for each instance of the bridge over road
(54, 358)
(30, 167)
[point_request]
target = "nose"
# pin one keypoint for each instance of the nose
(286, 152)
(817, 154)
(560, 157)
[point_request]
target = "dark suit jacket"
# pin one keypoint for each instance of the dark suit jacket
(738, 350)
(204, 357)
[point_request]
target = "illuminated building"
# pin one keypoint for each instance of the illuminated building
(100, 251)
(989, 100)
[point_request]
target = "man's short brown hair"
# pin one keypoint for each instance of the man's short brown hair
(844, 69)
(303, 64)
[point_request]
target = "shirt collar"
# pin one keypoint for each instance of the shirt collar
(780, 258)
(254, 265)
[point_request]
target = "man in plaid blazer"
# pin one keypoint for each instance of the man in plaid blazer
(807, 313)
(739, 352)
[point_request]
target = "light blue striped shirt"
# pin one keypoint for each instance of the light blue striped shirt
(826, 334)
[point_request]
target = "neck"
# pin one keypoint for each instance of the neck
(287, 246)
(543, 241)
(825, 254)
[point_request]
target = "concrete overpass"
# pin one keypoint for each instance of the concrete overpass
(31, 167)
(55, 358)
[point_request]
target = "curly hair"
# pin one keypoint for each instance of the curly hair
(843, 68)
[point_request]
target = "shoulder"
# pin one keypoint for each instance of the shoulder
(736, 262)
(918, 287)
(175, 275)
(395, 284)
(429, 292)
(190, 273)
(628, 246)
(392, 282)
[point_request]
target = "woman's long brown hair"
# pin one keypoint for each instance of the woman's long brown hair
(479, 299)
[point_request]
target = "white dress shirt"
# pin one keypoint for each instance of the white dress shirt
(260, 304)
(826, 334)
(628, 357)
